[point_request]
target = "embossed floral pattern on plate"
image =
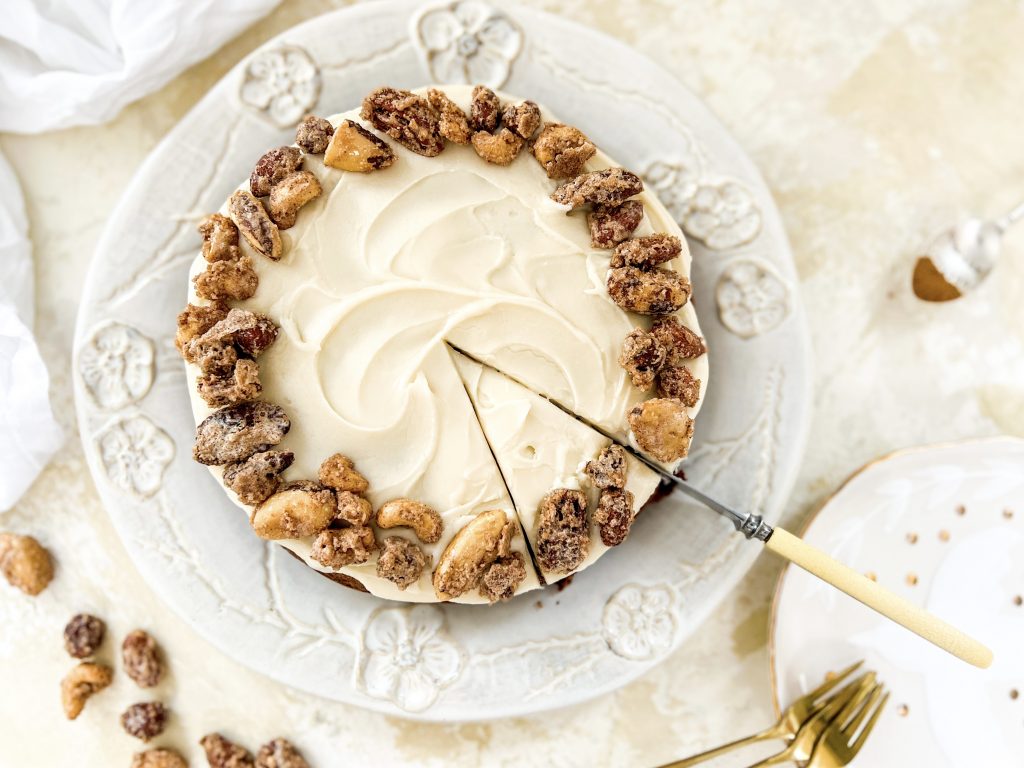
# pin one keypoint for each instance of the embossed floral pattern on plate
(751, 298)
(135, 452)
(116, 366)
(281, 83)
(469, 42)
(638, 622)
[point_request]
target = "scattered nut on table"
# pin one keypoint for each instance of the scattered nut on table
(25, 563)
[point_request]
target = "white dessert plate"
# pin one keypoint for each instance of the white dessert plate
(943, 526)
(272, 613)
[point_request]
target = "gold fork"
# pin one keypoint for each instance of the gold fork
(841, 741)
(787, 727)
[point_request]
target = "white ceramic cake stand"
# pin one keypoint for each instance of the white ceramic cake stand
(542, 650)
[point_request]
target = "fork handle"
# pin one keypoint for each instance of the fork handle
(890, 605)
(768, 733)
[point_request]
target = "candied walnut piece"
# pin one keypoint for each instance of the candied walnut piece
(503, 577)
(353, 509)
(400, 561)
(424, 521)
(611, 186)
(242, 384)
(236, 432)
(250, 332)
(25, 563)
(647, 251)
(223, 753)
(610, 225)
(353, 148)
(563, 151)
(648, 292)
(212, 357)
(145, 720)
(662, 428)
(680, 341)
(313, 134)
(255, 225)
(280, 753)
(522, 119)
(338, 472)
(405, 117)
(297, 510)
(614, 516)
(677, 382)
(220, 238)
(141, 659)
(158, 758)
(481, 541)
(289, 195)
(642, 356)
(272, 168)
(81, 683)
(195, 320)
(454, 124)
(563, 540)
(499, 148)
(485, 109)
(259, 476)
(338, 547)
(223, 280)
(608, 470)
(83, 635)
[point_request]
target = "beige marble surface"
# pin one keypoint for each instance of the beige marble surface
(874, 123)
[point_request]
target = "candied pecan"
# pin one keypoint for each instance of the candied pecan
(676, 381)
(236, 432)
(608, 187)
(220, 238)
(642, 356)
(648, 292)
(294, 512)
(485, 109)
(608, 470)
(338, 547)
(81, 683)
(400, 561)
(353, 509)
(680, 341)
(255, 225)
(425, 521)
(662, 428)
(454, 125)
(141, 659)
(259, 476)
(610, 225)
(249, 331)
(280, 753)
(25, 563)
(503, 577)
(338, 472)
(289, 195)
(313, 134)
(614, 516)
(158, 758)
(272, 167)
(223, 753)
(353, 148)
(405, 117)
(562, 537)
(242, 384)
(499, 148)
(563, 151)
(647, 251)
(522, 119)
(83, 635)
(145, 720)
(223, 280)
(195, 320)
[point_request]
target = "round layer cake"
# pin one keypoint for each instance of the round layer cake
(418, 339)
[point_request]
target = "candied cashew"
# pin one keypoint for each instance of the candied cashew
(499, 148)
(257, 477)
(485, 109)
(280, 753)
(662, 428)
(562, 151)
(454, 125)
(642, 356)
(289, 195)
(224, 753)
(81, 683)
(648, 292)
(648, 251)
(338, 472)
(254, 224)
(614, 516)
(25, 563)
(353, 148)
(236, 432)
(313, 134)
(481, 541)
(563, 540)
(608, 470)
(338, 547)
(405, 117)
(612, 186)
(296, 511)
(424, 521)
(220, 238)
(611, 224)
(224, 280)
(680, 341)
(677, 382)
(400, 561)
(272, 168)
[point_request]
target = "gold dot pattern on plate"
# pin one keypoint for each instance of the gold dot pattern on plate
(912, 538)
(912, 579)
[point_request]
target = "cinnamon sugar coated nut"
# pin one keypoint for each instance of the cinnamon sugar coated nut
(213, 357)
(611, 224)
(425, 521)
(224, 280)
(289, 195)
(499, 148)
(479, 543)
(608, 470)
(484, 110)
(257, 477)
(220, 238)
(236, 432)
(353, 509)
(145, 720)
(642, 357)
(405, 117)
(83, 635)
(336, 548)
(522, 119)
(295, 511)
(614, 516)
(662, 428)
(25, 563)
(158, 758)
(280, 753)
(313, 134)
(241, 384)
(611, 186)
(563, 540)
(646, 252)
(252, 333)
(223, 753)
(677, 382)
(80, 684)
(254, 224)
(503, 577)
(400, 561)
(563, 151)
(680, 342)
(648, 292)
(338, 472)
(195, 320)
(272, 168)
(141, 659)
(353, 148)
(454, 124)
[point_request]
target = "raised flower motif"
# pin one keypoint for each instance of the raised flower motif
(676, 182)
(407, 656)
(751, 298)
(722, 216)
(638, 623)
(469, 42)
(282, 83)
(135, 453)
(116, 366)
